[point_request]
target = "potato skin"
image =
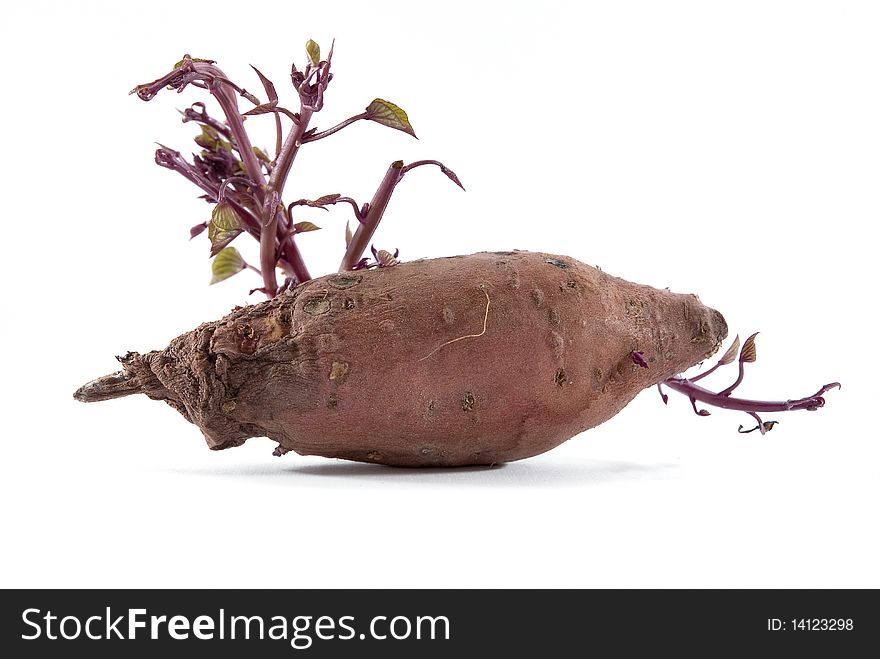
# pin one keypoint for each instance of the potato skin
(466, 360)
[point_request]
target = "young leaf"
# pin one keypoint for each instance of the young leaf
(261, 154)
(327, 199)
(302, 227)
(749, 352)
(267, 85)
(314, 52)
(348, 234)
(208, 138)
(223, 228)
(193, 59)
(197, 229)
(730, 355)
(386, 259)
(263, 108)
(452, 176)
(227, 263)
(386, 113)
(320, 202)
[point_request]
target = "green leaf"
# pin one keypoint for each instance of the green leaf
(302, 227)
(223, 217)
(225, 264)
(388, 114)
(314, 52)
(208, 138)
(223, 227)
(261, 155)
(193, 59)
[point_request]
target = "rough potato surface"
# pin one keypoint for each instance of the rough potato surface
(466, 360)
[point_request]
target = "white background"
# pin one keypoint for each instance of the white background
(728, 149)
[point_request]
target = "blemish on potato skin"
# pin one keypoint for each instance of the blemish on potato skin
(557, 343)
(701, 332)
(537, 296)
(386, 326)
(228, 406)
(638, 310)
(344, 281)
(316, 306)
(560, 379)
(338, 372)
(348, 305)
(374, 456)
(559, 263)
(431, 410)
(448, 316)
(468, 402)
(553, 316)
(332, 401)
(513, 275)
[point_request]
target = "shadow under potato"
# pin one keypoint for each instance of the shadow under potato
(521, 474)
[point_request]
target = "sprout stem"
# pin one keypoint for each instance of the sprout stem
(370, 221)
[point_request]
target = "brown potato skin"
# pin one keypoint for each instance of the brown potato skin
(393, 366)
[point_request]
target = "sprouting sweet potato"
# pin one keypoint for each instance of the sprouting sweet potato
(467, 360)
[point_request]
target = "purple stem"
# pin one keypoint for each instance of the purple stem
(288, 152)
(219, 87)
(705, 373)
(376, 208)
(190, 114)
(698, 393)
(326, 133)
(288, 249)
(370, 221)
(212, 78)
(172, 160)
(338, 200)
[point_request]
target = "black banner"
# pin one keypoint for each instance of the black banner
(434, 623)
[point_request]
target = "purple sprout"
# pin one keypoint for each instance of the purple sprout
(246, 184)
(723, 399)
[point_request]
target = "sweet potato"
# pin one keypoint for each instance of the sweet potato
(467, 360)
